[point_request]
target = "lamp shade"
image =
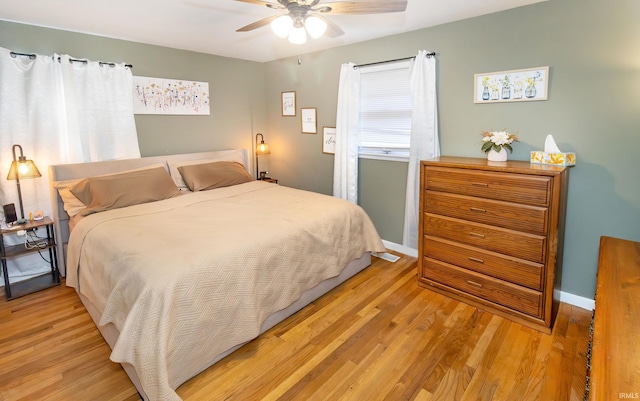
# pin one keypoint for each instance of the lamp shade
(315, 26)
(263, 149)
(282, 25)
(23, 169)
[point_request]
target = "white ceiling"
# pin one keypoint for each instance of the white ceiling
(209, 26)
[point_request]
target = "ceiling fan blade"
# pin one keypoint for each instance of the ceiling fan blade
(333, 30)
(257, 24)
(261, 3)
(371, 7)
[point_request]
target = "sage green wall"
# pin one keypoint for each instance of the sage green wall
(236, 87)
(593, 109)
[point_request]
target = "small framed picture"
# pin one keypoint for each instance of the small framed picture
(329, 140)
(308, 120)
(288, 104)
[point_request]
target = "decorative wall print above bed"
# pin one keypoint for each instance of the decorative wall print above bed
(170, 96)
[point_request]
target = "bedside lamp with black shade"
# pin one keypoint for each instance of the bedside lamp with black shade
(261, 149)
(22, 169)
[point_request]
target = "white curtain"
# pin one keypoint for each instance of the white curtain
(345, 166)
(59, 112)
(98, 105)
(424, 137)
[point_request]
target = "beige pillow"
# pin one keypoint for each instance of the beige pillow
(200, 177)
(177, 177)
(124, 189)
(71, 204)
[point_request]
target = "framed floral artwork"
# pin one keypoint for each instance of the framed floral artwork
(512, 86)
(170, 96)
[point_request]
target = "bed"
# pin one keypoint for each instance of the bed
(175, 284)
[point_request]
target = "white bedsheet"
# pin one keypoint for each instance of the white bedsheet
(187, 278)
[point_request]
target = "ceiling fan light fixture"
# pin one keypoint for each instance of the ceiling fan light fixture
(282, 26)
(298, 36)
(315, 26)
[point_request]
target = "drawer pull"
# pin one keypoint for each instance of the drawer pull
(476, 235)
(474, 283)
(480, 184)
(471, 258)
(477, 209)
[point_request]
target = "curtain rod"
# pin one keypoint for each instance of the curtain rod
(33, 56)
(432, 54)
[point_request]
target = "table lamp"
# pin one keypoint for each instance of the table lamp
(261, 149)
(21, 169)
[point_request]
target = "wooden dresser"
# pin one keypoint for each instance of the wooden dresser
(615, 355)
(493, 235)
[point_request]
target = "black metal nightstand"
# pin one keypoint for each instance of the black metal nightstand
(48, 243)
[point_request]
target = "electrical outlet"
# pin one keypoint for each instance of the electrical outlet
(21, 233)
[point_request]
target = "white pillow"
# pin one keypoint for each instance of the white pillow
(177, 177)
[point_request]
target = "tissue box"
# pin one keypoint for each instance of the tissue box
(556, 159)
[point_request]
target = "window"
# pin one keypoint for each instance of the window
(385, 111)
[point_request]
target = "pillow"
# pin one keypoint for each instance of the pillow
(200, 177)
(124, 189)
(177, 177)
(70, 203)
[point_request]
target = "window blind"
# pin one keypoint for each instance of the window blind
(385, 110)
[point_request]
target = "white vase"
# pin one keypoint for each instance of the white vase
(500, 156)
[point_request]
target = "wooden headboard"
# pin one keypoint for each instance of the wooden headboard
(63, 172)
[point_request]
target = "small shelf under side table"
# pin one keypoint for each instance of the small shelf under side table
(8, 252)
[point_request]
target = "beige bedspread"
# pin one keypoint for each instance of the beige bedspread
(187, 278)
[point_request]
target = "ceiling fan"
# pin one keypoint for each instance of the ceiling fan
(304, 16)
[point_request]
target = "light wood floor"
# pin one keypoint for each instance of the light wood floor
(377, 337)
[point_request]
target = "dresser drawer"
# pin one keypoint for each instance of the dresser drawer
(521, 188)
(500, 292)
(532, 219)
(517, 271)
(513, 243)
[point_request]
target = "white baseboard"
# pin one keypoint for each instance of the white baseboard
(571, 299)
(576, 300)
(400, 248)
